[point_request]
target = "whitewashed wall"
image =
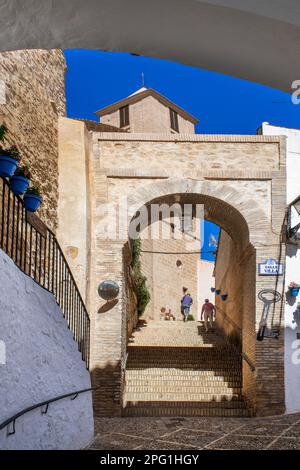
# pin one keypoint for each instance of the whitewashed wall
(292, 322)
(42, 361)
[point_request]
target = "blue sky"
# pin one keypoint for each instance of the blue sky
(223, 104)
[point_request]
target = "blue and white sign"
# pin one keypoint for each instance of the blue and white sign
(270, 267)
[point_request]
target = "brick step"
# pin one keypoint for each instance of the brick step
(198, 347)
(185, 343)
(178, 411)
(196, 387)
(184, 375)
(184, 379)
(163, 371)
(212, 388)
(182, 397)
(199, 393)
(192, 357)
(239, 403)
(220, 370)
(186, 385)
(209, 354)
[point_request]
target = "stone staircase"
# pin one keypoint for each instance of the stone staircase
(175, 368)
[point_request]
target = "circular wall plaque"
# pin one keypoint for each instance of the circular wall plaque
(108, 290)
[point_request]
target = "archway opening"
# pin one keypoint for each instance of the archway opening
(170, 231)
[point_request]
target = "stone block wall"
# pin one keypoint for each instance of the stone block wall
(35, 98)
(241, 182)
(229, 280)
(168, 274)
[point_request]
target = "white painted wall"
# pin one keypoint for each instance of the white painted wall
(292, 323)
(206, 280)
(42, 361)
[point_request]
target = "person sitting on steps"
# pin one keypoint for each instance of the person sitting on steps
(167, 315)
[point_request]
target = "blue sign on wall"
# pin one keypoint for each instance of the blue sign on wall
(270, 267)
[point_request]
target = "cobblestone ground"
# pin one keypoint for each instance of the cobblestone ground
(280, 432)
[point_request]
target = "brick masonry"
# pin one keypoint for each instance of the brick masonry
(148, 115)
(241, 182)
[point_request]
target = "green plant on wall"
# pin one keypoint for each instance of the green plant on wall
(190, 318)
(3, 131)
(139, 280)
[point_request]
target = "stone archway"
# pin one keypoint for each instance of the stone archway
(223, 212)
(248, 225)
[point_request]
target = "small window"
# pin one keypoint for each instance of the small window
(124, 116)
(174, 120)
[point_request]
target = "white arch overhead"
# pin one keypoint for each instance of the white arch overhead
(254, 40)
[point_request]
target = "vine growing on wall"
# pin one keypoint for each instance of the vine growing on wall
(139, 280)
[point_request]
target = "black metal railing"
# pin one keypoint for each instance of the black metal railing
(41, 404)
(35, 250)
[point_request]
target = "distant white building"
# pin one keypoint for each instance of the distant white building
(292, 318)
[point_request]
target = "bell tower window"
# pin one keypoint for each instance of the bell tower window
(174, 120)
(124, 116)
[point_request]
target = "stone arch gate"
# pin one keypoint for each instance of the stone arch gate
(241, 182)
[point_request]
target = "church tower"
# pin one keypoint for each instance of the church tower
(147, 111)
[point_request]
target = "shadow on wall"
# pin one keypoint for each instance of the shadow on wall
(108, 306)
(109, 380)
(42, 362)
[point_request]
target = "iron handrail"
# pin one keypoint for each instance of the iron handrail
(46, 403)
(226, 318)
(35, 249)
(243, 355)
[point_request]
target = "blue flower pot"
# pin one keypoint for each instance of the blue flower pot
(294, 291)
(32, 202)
(19, 184)
(218, 291)
(213, 289)
(8, 166)
(224, 297)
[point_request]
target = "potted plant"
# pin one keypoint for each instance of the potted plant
(218, 291)
(9, 157)
(294, 288)
(32, 198)
(19, 182)
(298, 311)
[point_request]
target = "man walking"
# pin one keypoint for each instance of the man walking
(208, 310)
(186, 303)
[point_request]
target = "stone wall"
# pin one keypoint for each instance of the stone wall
(73, 229)
(158, 153)
(35, 98)
(235, 276)
(228, 278)
(167, 274)
(241, 182)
